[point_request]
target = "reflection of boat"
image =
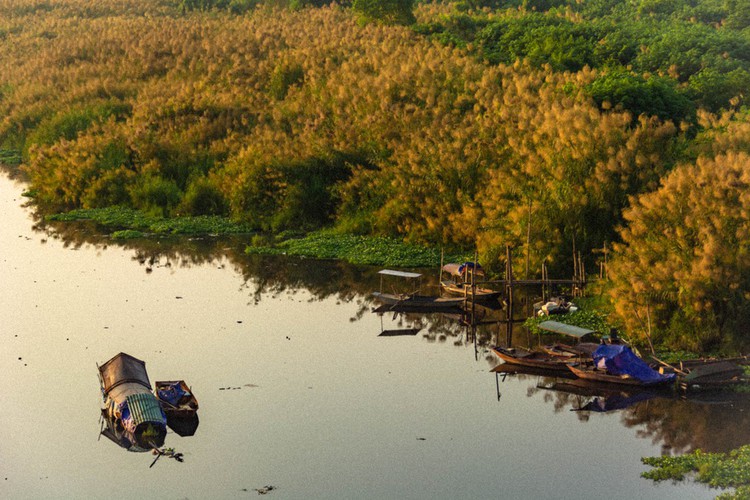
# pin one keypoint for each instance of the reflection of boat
(602, 398)
(533, 359)
(399, 332)
(618, 364)
(461, 277)
(134, 417)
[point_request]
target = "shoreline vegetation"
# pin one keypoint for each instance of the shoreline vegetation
(614, 130)
(718, 470)
(126, 223)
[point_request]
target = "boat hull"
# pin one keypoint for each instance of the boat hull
(418, 301)
(599, 376)
(532, 359)
(477, 295)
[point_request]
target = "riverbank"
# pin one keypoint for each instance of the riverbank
(126, 223)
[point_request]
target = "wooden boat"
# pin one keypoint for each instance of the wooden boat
(595, 375)
(715, 374)
(460, 279)
(582, 350)
(509, 368)
(532, 359)
(412, 300)
(421, 302)
(176, 398)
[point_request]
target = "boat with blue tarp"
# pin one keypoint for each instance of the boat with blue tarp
(618, 364)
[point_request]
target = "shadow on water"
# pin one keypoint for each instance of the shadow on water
(678, 423)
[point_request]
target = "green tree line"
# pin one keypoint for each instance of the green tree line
(543, 125)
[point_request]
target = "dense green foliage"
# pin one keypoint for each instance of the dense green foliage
(583, 318)
(696, 52)
(546, 125)
(719, 470)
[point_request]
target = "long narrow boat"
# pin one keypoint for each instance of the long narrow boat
(418, 301)
(595, 375)
(532, 359)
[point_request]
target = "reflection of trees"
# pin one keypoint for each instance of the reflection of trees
(680, 424)
(265, 276)
(686, 425)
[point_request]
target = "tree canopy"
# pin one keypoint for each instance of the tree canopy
(543, 125)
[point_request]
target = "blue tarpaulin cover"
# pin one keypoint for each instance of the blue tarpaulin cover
(621, 360)
(171, 393)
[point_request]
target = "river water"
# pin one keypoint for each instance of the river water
(297, 390)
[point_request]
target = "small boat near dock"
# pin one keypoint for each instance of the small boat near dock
(461, 281)
(411, 300)
(532, 359)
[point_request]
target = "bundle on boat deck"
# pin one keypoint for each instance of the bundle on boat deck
(176, 398)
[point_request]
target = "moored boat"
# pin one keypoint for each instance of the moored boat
(412, 300)
(176, 398)
(418, 301)
(532, 359)
(462, 281)
(618, 364)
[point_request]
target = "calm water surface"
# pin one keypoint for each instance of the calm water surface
(297, 391)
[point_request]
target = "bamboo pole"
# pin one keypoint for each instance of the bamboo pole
(509, 288)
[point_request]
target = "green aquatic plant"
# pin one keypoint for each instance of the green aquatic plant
(718, 470)
(583, 318)
(123, 220)
(363, 250)
(127, 234)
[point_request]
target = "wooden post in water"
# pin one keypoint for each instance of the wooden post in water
(474, 283)
(509, 294)
(440, 271)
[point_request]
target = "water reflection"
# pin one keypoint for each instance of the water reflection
(677, 423)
